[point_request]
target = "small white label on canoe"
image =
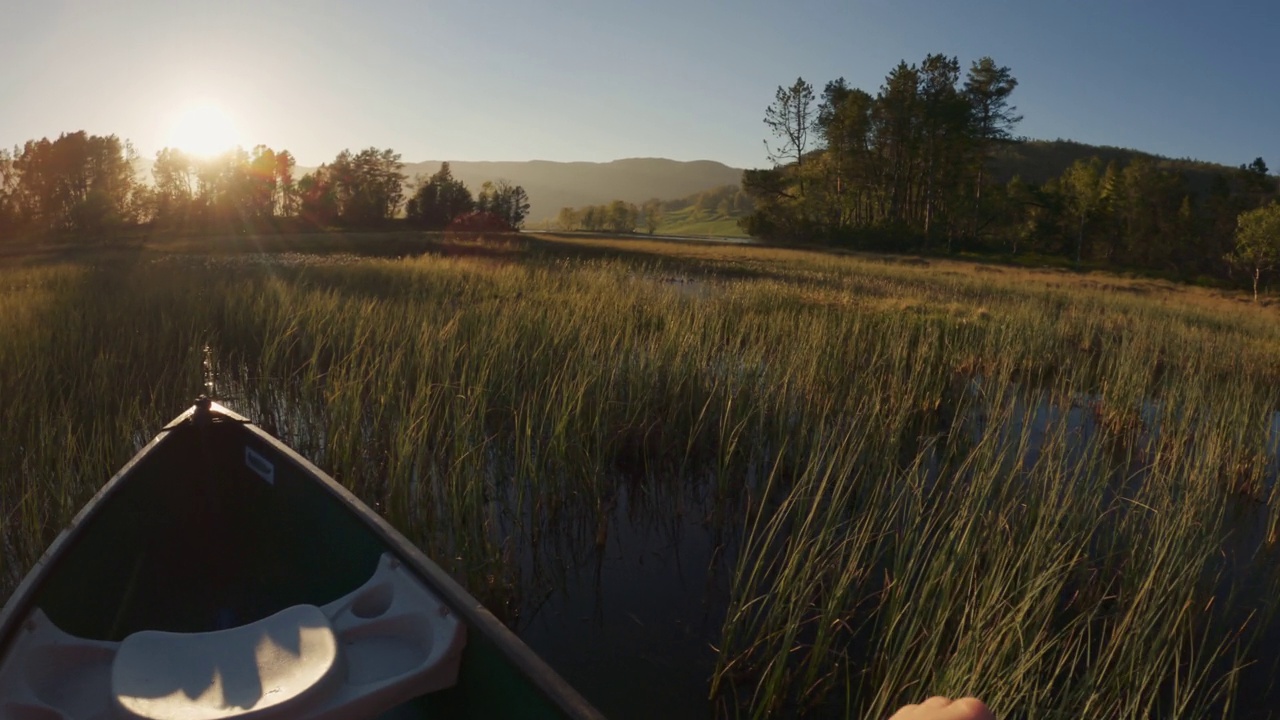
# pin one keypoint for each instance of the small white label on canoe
(260, 465)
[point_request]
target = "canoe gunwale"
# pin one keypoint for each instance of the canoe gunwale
(477, 617)
(19, 602)
(474, 614)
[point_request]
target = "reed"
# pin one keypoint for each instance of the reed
(1054, 491)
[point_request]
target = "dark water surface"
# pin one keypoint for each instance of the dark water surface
(634, 627)
(632, 609)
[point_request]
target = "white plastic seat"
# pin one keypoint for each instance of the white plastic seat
(267, 669)
(387, 642)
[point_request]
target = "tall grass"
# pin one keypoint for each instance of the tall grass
(1053, 492)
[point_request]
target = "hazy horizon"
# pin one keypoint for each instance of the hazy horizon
(507, 82)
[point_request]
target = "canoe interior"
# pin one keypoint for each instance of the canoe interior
(192, 540)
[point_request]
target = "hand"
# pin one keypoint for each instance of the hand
(940, 708)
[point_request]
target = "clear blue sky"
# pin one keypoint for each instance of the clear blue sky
(606, 79)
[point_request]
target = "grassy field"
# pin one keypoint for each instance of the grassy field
(690, 222)
(1052, 490)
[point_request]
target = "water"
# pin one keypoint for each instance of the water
(630, 610)
(634, 627)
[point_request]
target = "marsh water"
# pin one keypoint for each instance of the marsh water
(624, 580)
(628, 600)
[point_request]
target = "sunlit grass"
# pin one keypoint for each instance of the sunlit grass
(1052, 490)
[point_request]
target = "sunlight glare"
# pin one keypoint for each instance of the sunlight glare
(203, 129)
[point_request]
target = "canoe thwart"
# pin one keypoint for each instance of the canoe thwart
(388, 641)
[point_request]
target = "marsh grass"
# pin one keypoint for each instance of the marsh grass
(1055, 491)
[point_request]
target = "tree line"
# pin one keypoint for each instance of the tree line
(82, 184)
(724, 200)
(620, 216)
(911, 168)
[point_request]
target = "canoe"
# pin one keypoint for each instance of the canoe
(220, 574)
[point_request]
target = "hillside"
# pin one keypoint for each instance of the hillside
(714, 211)
(553, 185)
(1038, 161)
(689, 221)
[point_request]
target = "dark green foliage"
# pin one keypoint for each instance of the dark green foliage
(10, 217)
(79, 183)
(651, 212)
(439, 201)
(234, 191)
(616, 217)
(1039, 161)
(907, 161)
(317, 197)
(720, 203)
(1258, 242)
(369, 186)
(931, 162)
(504, 201)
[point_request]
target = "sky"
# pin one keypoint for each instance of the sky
(599, 80)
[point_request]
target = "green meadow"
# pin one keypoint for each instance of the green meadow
(689, 221)
(1052, 490)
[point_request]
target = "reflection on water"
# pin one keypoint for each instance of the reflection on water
(634, 626)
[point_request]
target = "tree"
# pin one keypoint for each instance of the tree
(286, 190)
(225, 190)
(897, 126)
(10, 220)
(621, 217)
(1258, 242)
(175, 184)
(844, 126)
(487, 198)
(508, 202)
(775, 216)
(317, 197)
(79, 182)
(517, 206)
(1081, 185)
(261, 201)
(439, 200)
(652, 210)
(944, 131)
(568, 219)
(476, 225)
(1257, 181)
(1113, 203)
(369, 186)
(987, 88)
(790, 118)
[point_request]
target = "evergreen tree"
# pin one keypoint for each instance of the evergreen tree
(988, 87)
(439, 200)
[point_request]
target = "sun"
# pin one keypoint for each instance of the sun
(203, 129)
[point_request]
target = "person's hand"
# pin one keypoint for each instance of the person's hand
(940, 708)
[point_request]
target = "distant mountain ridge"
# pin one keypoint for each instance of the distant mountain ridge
(553, 185)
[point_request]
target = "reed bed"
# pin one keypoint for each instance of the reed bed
(1055, 492)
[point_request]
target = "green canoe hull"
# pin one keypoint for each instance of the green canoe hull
(216, 522)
